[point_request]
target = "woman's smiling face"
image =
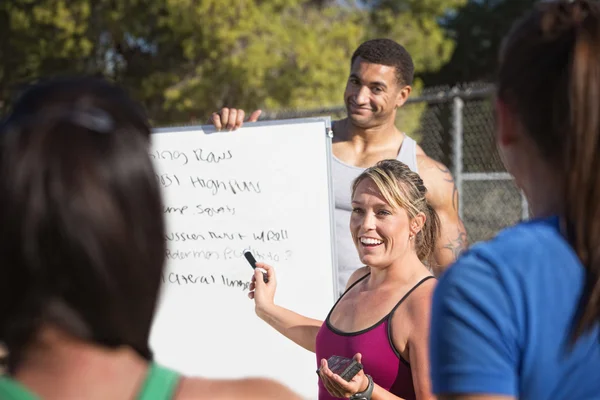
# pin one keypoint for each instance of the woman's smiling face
(381, 232)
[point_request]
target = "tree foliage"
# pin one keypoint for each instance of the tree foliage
(186, 58)
(478, 29)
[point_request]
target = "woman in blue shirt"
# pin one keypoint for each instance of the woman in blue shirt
(518, 316)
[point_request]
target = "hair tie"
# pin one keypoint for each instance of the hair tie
(94, 119)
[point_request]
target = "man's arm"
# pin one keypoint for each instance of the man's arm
(443, 197)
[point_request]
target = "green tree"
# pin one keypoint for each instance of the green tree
(41, 37)
(44, 38)
(414, 24)
(478, 29)
(269, 54)
(186, 58)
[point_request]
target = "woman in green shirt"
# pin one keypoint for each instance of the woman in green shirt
(82, 251)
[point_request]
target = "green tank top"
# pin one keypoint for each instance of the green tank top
(160, 384)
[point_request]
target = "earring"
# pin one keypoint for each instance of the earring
(410, 237)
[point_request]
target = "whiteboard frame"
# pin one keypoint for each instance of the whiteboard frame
(208, 129)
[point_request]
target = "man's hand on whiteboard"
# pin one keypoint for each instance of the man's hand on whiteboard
(231, 118)
(263, 293)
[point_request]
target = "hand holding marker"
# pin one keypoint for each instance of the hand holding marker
(252, 262)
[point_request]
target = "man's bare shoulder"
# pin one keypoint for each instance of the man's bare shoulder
(340, 130)
(442, 194)
(437, 179)
(430, 167)
(233, 389)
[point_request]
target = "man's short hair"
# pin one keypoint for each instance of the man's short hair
(387, 52)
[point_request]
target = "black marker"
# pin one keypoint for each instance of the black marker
(252, 262)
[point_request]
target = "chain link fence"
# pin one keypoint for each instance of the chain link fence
(455, 125)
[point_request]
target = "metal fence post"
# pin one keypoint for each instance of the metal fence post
(457, 149)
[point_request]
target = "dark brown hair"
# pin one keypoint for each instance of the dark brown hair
(550, 76)
(403, 188)
(387, 52)
(82, 236)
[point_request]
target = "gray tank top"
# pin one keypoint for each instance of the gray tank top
(343, 175)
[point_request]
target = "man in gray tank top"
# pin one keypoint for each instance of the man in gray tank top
(381, 74)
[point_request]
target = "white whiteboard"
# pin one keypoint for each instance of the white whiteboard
(266, 187)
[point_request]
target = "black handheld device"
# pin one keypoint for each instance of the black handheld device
(252, 262)
(344, 367)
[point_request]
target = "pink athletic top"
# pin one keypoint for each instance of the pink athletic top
(380, 358)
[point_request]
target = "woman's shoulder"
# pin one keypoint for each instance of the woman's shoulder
(523, 251)
(229, 389)
(532, 235)
(357, 276)
(418, 299)
(520, 263)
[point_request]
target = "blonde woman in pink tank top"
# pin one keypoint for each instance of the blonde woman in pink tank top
(382, 320)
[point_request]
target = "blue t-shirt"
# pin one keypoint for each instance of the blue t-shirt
(502, 319)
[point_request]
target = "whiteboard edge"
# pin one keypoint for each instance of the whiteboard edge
(207, 129)
(334, 266)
